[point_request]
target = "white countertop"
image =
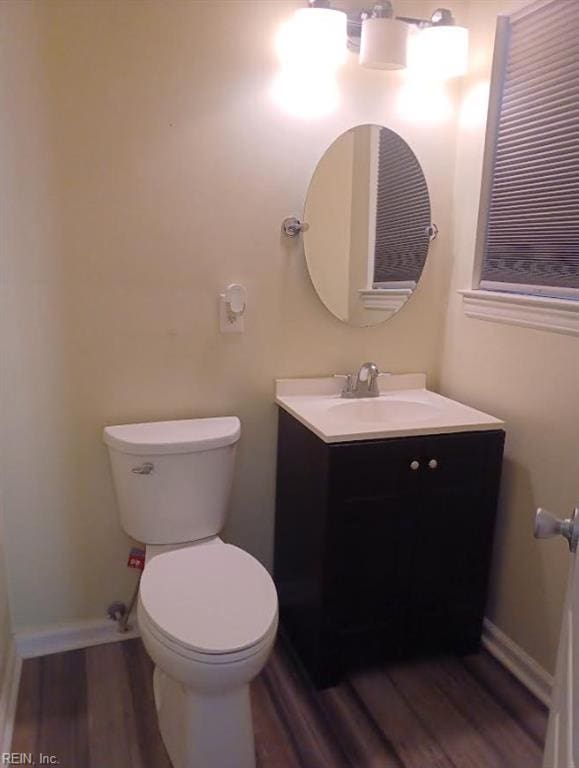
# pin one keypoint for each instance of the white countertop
(405, 408)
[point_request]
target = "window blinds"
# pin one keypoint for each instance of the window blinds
(531, 238)
(402, 214)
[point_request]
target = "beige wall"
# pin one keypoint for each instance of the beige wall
(147, 167)
(5, 623)
(328, 214)
(358, 273)
(528, 377)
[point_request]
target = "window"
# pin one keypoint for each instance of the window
(402, 215)
(528, 230)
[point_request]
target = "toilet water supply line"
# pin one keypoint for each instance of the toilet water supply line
(118, 611)
(123, 622)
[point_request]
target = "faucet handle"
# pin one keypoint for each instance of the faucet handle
(348, 386)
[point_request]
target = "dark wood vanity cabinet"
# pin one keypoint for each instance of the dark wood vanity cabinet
(382, 547)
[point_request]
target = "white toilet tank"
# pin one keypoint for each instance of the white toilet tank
(173, 478)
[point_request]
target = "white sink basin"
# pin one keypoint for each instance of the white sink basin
(405, 407)
(384, 410)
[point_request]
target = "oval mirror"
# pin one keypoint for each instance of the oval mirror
(369, 227)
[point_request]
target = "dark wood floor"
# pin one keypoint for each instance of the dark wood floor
(94, 709)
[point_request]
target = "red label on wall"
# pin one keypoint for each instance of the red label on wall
(136, 558)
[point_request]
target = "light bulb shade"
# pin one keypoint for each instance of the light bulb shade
(383, 43)
(438, 52)
(315, 39)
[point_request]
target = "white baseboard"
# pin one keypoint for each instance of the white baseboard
(9, 695)
(70, 636)
(42, 642)
(529, 672)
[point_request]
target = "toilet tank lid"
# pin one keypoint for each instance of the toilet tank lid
(183, 436)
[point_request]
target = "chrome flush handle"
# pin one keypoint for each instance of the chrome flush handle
(144, 469)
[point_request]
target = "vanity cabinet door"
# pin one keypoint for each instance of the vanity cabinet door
(369, 561)
(452, 541)
(368, 565)
(447, 587)
(374, 492)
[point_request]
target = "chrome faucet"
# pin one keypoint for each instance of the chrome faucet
(365, 384)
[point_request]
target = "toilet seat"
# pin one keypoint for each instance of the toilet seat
(210, 659)
(210, 602)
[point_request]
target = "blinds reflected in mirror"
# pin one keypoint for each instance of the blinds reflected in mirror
(402, 215)
(531, 238)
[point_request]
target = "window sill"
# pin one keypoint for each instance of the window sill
(389, 299)
(547, 314)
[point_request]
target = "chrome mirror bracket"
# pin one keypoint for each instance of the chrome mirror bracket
(291, 226)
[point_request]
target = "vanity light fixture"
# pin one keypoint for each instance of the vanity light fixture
(438, 50)
(434, 48)
(311, 47)
(383, 39)
(315, 39)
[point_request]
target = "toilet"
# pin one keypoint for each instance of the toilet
(207, 610)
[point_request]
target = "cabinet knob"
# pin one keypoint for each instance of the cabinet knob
(433, 464)
(415, 465)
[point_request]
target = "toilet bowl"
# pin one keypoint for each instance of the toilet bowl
(208, 618)
(207, 610)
